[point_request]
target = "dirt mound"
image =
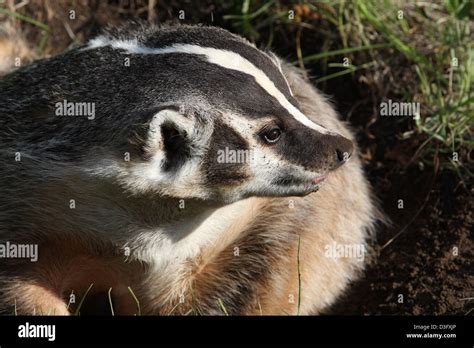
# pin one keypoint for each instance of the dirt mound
(429, 264)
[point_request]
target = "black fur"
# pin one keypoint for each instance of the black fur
(224, 173)
(123, 95)
(177, 147)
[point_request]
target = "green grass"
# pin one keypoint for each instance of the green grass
(417, 45)
(443, 90)
(110, 300)
(25, 19)
(78, 309)
(135, 298)
(46, 30)
(222, 307)
(299, 275)
(109, 295)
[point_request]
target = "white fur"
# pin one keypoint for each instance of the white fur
(161, 247)
(150, 174)
(224, 58)
(265, 164)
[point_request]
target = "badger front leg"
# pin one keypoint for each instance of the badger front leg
(30, 297)
(62, 283)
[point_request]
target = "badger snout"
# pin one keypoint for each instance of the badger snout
(308, 156)
(325, 152)
(339, 150)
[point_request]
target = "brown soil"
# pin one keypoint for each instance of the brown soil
(429, 263)
(426, 254)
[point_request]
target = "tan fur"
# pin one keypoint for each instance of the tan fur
(14, 50)
(261, 279)
(341, 211)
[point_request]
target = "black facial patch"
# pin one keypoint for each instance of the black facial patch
(285, 180)
(176, 146)
(218, 38)
(224, 140)
(124, 95)
(302, 146)
(136, 140)
(309, 148)
(224, 88)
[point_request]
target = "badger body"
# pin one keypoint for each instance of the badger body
(142, 197)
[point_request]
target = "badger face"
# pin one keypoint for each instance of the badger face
(271, 156)
(231, 129)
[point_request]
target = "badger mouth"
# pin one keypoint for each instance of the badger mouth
(292, 186)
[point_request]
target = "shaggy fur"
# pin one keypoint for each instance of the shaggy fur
(242, 258)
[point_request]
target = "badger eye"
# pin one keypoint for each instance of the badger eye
(272, 135)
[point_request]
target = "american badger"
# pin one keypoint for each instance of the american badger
(174, 170)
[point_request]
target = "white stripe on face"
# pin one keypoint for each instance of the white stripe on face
(224, 58)
(275, 59)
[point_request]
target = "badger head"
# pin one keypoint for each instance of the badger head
(229, 126)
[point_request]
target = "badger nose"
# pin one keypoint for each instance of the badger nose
(342, 149)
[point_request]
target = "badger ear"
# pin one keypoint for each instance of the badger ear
(170, 139)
